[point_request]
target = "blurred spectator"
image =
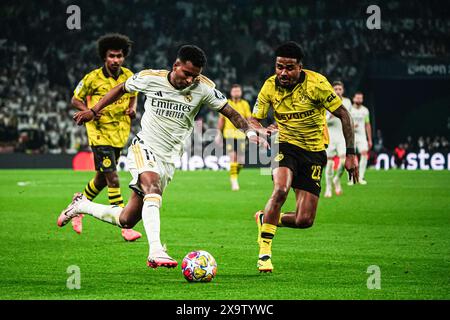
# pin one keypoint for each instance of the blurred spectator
(379, 143)
(400, 155)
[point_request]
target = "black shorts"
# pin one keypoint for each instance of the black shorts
(236, 145)
(307, 166)
(105, 158)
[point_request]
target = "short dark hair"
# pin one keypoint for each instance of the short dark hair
(235, 85)
(358, 92)
(290, 49)
(113, 41)
(193, 54)
(338, 83)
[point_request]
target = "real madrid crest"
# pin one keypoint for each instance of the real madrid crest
(188, 97)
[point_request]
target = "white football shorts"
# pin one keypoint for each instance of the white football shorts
(140, 159)
(361, 144)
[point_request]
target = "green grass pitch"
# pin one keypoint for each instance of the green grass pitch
(399, 222)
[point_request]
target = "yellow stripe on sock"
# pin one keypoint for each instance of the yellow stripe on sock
(93, 187)
(115, 197)
(234, 171)
(265, 245)
(113, 190)
(88, 195)
(268, 228)
(280, 224)
(90, 191)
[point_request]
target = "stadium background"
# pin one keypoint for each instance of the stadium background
(398, 221)
(403, 68)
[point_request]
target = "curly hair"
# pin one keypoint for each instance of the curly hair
(113, 41)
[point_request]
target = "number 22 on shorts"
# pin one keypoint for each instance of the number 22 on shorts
(316, 170)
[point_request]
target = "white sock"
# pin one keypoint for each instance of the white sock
(329, 173)
(108, 214)
(340, 170)
(150, 218)
(362, 167)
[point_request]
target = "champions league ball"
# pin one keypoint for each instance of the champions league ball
(199, 266)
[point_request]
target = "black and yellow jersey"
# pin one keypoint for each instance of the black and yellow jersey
(113, 127)
(229, 130)
(299, 112)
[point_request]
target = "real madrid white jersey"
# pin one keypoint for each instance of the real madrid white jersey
(169, 113)
(346, 103)
(334, 124)
(360, 118)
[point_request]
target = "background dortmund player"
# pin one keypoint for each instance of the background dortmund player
(336, 147)
(299, 99)
(234, 138)
(109, 133)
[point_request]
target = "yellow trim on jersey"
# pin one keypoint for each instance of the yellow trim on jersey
(151, 72)
(138, 156)
(206, 81)
(301, 112)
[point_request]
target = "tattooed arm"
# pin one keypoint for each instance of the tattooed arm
(239, 122)
(236, 119)
(351, 161)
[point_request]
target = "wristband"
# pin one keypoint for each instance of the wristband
(95, 113)
(350, 151)
(250, 134)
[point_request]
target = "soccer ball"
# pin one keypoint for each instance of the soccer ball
(199, 266)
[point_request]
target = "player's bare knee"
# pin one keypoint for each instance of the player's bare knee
(126, 222)
(304, 222)
(280, 194)
(113, 179)
(100, 180)
(152, 188)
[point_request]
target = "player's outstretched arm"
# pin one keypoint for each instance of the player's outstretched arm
(257, 126)
(114, 94)
(239, 122)
(78, 104)
(351, 161)
(131, 111)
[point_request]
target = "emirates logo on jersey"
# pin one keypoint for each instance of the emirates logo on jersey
(170, 109)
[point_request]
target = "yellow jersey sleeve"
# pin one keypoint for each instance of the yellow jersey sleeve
(247, 113)
(262, 105)
(326, 95)
(83, 89)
